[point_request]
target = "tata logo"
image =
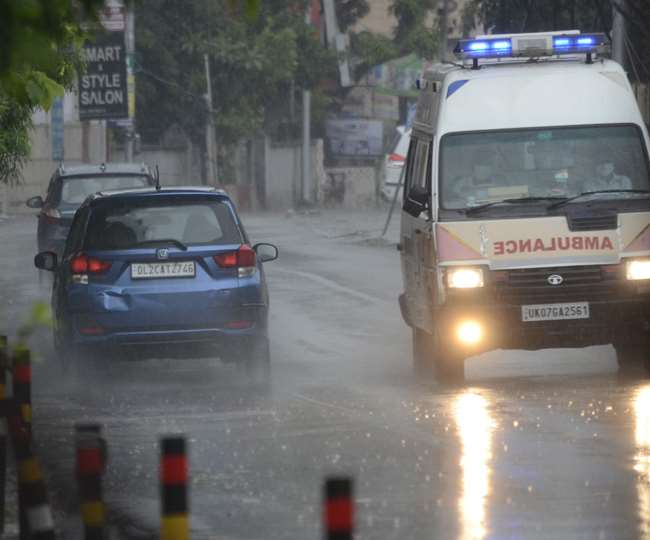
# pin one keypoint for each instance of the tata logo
(162, 254)
(555, 279)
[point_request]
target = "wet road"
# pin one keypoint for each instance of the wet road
(535, 445)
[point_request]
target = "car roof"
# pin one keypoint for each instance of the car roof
(153, 192)
(65, 171)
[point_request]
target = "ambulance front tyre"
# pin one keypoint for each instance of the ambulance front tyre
(632, 357)
(431, 356)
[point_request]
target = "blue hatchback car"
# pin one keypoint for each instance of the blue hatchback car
(170, 268)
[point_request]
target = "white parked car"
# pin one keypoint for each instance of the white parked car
(394, 162)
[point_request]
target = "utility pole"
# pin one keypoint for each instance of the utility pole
(305, 191)
(130, 54)
(443, 13)
(211, 160)
(618, 32)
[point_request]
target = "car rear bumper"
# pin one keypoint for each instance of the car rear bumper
(161, 337)
(625, 321)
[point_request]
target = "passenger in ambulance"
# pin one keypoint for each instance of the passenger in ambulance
(605, 177)
(473, 188)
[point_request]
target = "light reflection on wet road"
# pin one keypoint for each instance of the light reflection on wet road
(536, 445)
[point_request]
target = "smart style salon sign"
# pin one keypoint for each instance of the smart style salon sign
(102, 88)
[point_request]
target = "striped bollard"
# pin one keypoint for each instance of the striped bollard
(4, 366)
(338, 511)
(173, 478)
(22, 386)
(91, 463)
(22, 380)
(35, 514)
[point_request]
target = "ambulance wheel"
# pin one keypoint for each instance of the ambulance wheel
(431, 357)
(633, 359)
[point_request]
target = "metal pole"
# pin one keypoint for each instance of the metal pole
(395, 195)
(305, 191)
(442, 53)
(211, 163)
(306, 146)
(618, 32)
(130, 53)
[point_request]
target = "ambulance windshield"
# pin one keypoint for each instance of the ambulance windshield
(485, 167)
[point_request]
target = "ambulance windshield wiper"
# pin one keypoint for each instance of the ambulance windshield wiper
(598, 192)
(478, 209)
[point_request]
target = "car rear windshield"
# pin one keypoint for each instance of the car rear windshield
(133, 224)
(75, 189)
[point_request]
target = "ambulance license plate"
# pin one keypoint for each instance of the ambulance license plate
(555, 312)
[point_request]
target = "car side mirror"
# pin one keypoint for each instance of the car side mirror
(416, 201)
(46, 260)
(35, 202)
(266, 252)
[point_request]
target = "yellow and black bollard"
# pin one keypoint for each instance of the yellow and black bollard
(173, 478)
(338, 509)
(22, 379)
(22, 387)
(35, 514)
(91, 464)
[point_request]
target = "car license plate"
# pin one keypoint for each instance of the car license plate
(163, 270)
(555, 312)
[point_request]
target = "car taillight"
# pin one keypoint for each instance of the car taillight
(52, 216)
(244, 259)
(396, 159)
(83, 264)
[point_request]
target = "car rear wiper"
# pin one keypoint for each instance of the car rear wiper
(587, 193)
(172, 241)
(477, 209)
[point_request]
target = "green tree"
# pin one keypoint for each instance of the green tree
(502, 16)
(254, 63)
(39, 55)
(413, 33)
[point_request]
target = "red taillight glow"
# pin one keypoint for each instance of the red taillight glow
(244, 257)
(239, 325)
(52, 216)
(82, 264)
(92, 331)
(396, 158)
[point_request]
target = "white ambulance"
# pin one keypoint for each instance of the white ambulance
(526, 204)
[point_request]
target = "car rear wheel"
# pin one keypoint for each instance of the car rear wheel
(254, 359)
(431, 356)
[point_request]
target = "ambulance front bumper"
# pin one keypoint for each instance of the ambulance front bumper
(478, 327)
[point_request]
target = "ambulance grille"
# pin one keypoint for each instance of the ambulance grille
(593, 223)
(579, 284)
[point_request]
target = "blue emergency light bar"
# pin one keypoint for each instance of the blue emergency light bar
(531, 45)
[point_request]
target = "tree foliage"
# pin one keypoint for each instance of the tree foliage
(501, 16)
(39, 55)
(413, 34)
(253, 63)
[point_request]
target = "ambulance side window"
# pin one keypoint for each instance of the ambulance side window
(417, 185)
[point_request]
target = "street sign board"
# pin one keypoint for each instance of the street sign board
(113, 16)
(355, 138)
(103, 87)
(57, 130)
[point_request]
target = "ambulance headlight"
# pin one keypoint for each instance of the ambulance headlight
(464, 278)
(638, 269)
